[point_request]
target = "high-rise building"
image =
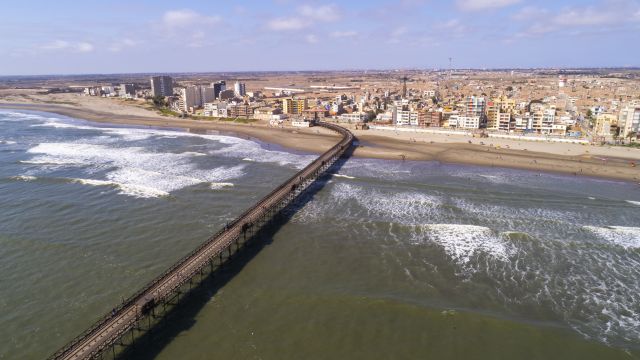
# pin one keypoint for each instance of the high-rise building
(629, 120)
(475, 106)
(207, 94)
(499, 112)
(127, 90)
(190, 97)
(239, 89)
(218, 87)
(161, 85)
(294, 106)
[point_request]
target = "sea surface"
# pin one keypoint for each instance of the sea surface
(386, 259)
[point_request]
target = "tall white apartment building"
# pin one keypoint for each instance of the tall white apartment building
(190, 98)
(239, 89)
(629, 120)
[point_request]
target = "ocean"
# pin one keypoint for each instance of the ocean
(386, 259)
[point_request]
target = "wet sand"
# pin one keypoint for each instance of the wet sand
(579, 160)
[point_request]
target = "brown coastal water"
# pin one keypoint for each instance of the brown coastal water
(386, 260)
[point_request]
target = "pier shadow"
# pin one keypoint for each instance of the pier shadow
(182, 316)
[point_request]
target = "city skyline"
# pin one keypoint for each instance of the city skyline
(285, 35)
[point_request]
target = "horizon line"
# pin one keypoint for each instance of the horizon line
(434, 69)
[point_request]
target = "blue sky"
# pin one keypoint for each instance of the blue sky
(74, 37)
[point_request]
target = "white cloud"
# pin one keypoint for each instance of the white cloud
(311, 39)
(478, 5)
(80, 47)
(399, 31)
(320, 13)
(187, 27)
(343, 34)
(612, 14)
(305, 17)
(453, 26)
(122, 44)
(285, 24)
(183, 18)
(529, 13)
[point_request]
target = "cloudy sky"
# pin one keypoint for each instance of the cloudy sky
(75, 37)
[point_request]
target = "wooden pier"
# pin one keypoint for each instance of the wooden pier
(151, 301)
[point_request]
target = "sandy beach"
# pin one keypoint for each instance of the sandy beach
(579, 160)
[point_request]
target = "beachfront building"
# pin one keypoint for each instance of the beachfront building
(464, 122)
(243, 111)
(127, 90)
(268, 113)
(629, 120)
(543, 120)
(405, 117)
(385, 117)
(499, 112)
(353, 118)
(475, 106)
(294, 106)
(215, 110)
(523, 122)
(161, 86)
(207, 94)
(190, 99)
(606, 125)
(429, 118)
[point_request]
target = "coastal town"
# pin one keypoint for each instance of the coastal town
(569, 105)
(581, 122)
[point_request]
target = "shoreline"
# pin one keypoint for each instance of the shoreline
(380, 144)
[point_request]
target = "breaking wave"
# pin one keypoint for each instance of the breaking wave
(462, 242)
(627, 237)
(136, 171)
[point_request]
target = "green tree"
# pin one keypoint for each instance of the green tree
(158, 101)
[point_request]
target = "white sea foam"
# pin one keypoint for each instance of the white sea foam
(24, 178)
(126, 189)
(402, 207)
(633, 202)
(627, 237)
(220, 185)
(343, 176)
(94, 182)
(7, 142)
(55, 123)
(247, 149)
(501, 212)
(462, 242)
(136, 172)
(46, 162)
(19, 116)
